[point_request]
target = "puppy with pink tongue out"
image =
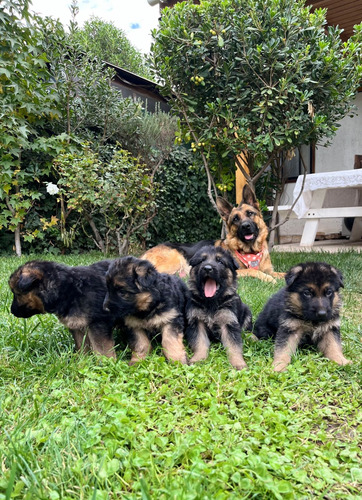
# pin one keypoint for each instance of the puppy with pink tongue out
(210, 288)
(214, 310)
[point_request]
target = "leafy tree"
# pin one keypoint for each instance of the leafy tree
(116, 197)
(104, 41)
(255, 76)
(91, 109)
(27, 103)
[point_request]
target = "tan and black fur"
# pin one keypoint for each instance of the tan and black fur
(246, 236)
(214, 309)
(149, 303)
(305, 311)
(74, 294)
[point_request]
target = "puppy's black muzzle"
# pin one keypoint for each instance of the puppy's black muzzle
(208, 271)
(22, 312)
(208, 268)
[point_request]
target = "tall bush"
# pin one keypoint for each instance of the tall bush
(28, 102)
(116, 198)
(183, 213)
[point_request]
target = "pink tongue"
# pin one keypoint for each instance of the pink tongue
(210, 288)
(248, 236)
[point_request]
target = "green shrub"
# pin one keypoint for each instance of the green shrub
(184, 212)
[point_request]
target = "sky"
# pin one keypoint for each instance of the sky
(135, 17)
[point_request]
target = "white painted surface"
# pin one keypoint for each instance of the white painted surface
(338, 156)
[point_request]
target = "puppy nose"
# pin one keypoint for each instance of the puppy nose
(321, 314)
(208, 267)
(246, 225)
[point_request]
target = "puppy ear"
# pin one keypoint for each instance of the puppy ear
(339, 275)
(224, 208)
(293, 274)
(249, 197)
(196, 259)
(145, 274)
(233, 264)
(27, 282)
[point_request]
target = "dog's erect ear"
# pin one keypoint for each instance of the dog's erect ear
(249, 197)
(145, 274)
(339, 275)
(293, 274)
(27, 282)
(224, 208)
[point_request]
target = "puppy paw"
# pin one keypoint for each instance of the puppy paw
(196, 359)
(239, 364)
(241, 367)
(279, 367)
(345, 361)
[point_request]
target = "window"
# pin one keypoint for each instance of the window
(294, 166)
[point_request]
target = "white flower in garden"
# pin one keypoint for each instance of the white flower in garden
(52, 188)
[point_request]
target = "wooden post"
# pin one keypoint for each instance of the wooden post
(240, 180)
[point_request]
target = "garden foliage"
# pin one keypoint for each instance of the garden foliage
(261, 76)
(63, 124)
(104, 41)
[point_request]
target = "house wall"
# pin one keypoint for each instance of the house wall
(151, 101)
(338, 156)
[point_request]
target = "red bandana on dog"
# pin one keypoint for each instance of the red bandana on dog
(251, 260)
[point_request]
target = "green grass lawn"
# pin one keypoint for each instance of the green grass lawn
(84, 427)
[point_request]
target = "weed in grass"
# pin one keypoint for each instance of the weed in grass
(85, 427)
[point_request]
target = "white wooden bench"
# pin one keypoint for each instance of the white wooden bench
(310, 204)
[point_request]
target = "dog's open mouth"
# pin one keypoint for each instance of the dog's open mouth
(210, 288)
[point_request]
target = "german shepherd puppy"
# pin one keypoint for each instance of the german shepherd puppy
(74, 294)
(246, 240)
(305, 311)
(149, 303)
(214, 310)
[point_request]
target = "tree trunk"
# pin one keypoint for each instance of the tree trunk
(17, 241)
(123, 244)
(96, 233)
(274, 220)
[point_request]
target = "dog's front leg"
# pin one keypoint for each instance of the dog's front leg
(286, 343)
(172, 343)
(255, 273)
(330, 346)
(81, 340)
(101, 340)
(198, 340)
(231, 339)
(140, 345)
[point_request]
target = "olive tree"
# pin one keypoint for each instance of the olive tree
(262, 77)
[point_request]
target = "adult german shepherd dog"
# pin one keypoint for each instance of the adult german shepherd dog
(306, 311)
(246, 239)
(214, 310)
(74, 294)
(149, 303)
